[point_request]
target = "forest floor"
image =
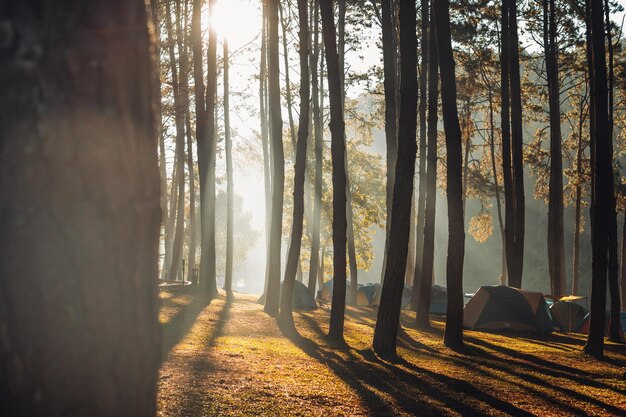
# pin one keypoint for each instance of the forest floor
(230, 359)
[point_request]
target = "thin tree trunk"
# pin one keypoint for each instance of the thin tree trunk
(421, 199)
(317, 121)
(615, 323)
(388, 319)
(171, 218)
(425, 281)
(179, 116)
(516, 264)
(453, 335)
(278, 168)
(228, 146)
(292, 127)
(556, 237)
(79, 196)
(391, 116)
(183, 46)
(338, 151)
(286, 316)
(206, 162)
(623, 265)
(578, 200)
(505, 124)
(601, 179)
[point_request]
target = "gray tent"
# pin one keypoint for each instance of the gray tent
(302, 298)
(365, 294)
(406, 297)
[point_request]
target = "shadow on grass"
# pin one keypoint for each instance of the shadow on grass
(173, 331)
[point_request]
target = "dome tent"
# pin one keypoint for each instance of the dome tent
(498, 307)
(365, 294)
(302, 298)
(438, 300)
(406, 297)
(567, 315)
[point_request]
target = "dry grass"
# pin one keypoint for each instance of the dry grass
(231, 359)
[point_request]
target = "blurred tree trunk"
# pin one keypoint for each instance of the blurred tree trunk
(515, 263)
(602, 174)
(388, 319)
(183, 46)
(299, 171)
(228, 146)
(338, 151)
(171, 218)
(556, 237)
(425, 281)
(453, 336)
(278, 168)
(318, 146)
(206, 163)
(179, 121)
(79, 196)
(390, 58)
(200, 106)
(421, 199)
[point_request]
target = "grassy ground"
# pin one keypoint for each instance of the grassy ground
(230, 359)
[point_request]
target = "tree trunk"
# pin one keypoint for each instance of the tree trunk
(183, 46)
(179, 117)
(171, 218)
(200, 104)
(601, 180)
(516, 262)
(317, 121)
(421, 199)
(453, 336)
(293, 256)
(206, 163)
(338, 151)
(425, 282)
(228, 146)
(623, 265)
(505, 124)
(79, 196)
(391, 116)
(556, 237)
(578, 200)
(388, 319)
(278, 168)
(615, 329)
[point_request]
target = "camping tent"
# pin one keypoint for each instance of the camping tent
(438, 300)
(365, 294)
(584, 324)
(326, 292)
(567, 315)
(499, 307)
(302, 298)
(406, 297)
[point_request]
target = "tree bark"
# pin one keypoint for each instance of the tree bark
(601, 179)
(425, 282)
(79, 196)
(206, 163)
(391, 116)
(317, 121)
(516, 262)
(293, 256)
(421, 199)
(338, 151)
(453, 335)
(556, 237)
(388, 319)
(278, 168)
(578, 199)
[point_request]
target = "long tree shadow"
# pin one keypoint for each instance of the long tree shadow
(414, 390)
(173, 331)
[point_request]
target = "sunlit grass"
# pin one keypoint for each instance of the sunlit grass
(234, 360)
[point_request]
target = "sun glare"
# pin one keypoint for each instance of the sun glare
(239, 21)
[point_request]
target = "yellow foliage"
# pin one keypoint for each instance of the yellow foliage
(481, 227)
